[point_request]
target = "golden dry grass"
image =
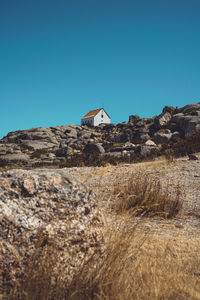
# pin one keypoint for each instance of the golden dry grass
(144, 195)
(136, 263)
(133, 266)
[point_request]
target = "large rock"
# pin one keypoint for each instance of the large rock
(187, 124)
(146, 150)
(71, 133)
(190, 109)
(44, 209)
(133, 119)
(64, 152)
(162, 137)
(18, 158)
(169, 109)
(93, 148)
(37, 145)
(162, 120)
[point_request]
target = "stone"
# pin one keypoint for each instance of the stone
(175, 136)
(71, 133)
(133, 119)
(64, 152)
(145, 150)
(41, 207)
(140, 123)
(187, 124)
(93, 148)
(162, 120)
(14, 158)
(192, 157)
(84, 135)
(150, 143)
(144, 137)
(189, 109)
(162, 138)
(169, 109)
(37, 145)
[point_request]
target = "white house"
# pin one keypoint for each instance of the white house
(96, 117)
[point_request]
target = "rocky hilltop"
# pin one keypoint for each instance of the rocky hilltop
(50, 146)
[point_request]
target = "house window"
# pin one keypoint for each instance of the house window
(102, 116)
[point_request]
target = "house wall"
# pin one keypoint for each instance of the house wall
(101, 117)
(88, 121)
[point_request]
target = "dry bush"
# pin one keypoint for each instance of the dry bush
(144, 195)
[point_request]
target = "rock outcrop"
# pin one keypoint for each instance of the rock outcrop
(49, 203)
(50, 146)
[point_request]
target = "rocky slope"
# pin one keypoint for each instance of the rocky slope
(50, 146)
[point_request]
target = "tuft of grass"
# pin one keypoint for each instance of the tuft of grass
(144, 195)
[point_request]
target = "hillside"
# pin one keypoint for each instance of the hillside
(137, 138)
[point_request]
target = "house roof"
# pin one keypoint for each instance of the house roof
(92, 113)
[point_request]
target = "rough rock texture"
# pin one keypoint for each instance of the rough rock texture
(171, 125)
(54, 203)
(145, 150)
(162, 120)
(93, 147)
(162, 137)
(14, 158)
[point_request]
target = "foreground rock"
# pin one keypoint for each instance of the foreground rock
(49, 204)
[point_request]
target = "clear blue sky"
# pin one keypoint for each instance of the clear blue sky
(61, 58)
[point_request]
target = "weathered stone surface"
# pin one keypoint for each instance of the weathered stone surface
(145, 150)
(71, 133)
(162, 138)
(133, 119)
(169, 109)
(150, 143)
(175, 136)
(14, 158)
(64, 152)
(47, 203)
(189, 109)
(143, 138)
(37, 145)
(187, 124)
(162, 120)
(93, 147)
(39, 142)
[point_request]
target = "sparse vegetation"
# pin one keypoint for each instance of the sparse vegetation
(97, 160)
(133, 266)
(143, 195)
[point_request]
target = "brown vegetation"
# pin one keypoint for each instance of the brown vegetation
(144, 195)
(97, 160)
(133, 266)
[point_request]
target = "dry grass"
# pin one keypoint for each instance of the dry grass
(133, 266)
(144, 195)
